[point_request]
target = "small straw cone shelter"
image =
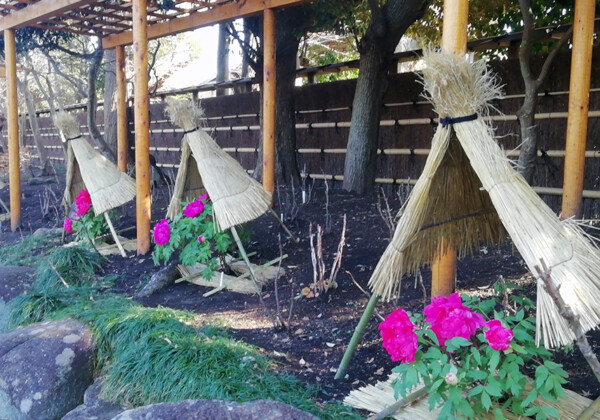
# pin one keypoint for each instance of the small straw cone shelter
(469, 194)
(87, 168)
(237, 198)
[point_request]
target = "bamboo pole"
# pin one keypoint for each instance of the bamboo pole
(454, 38)
(12, 120)
(142, 147)
(579, 95)
(357, 336)
(269, 100)
(121, 109)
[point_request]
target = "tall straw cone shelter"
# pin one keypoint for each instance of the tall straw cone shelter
(87, 168)
(237, 198)
(469, 194)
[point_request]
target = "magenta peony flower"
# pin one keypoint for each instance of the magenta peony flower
(449, 318)
(200, 239)
(194, 208)
(203, 197)
(498, 336)
(83, 202)
(162, 232)
(68, 225)
(399, 338)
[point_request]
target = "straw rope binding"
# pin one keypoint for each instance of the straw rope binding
(108, 187)
(237, 198)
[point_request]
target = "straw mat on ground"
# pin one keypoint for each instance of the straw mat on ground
(237, 198)
(375, 398)
(459, 89)
(108, 187)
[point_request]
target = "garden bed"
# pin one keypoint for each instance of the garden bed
(318, 329)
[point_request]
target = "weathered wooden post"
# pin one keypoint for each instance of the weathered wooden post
(579, 95)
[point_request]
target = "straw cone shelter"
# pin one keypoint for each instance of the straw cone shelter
(469, 194)
(87, 168)
(237, 197)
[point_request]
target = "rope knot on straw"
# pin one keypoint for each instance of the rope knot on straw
(191, 131)
(73, 138)
(446, 121)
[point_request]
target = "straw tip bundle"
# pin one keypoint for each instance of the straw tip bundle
(185, 113)
(457, 87)
(67, 124)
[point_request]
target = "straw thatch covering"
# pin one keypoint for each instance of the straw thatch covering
(87, 168)
(376, 398)
(237, 198)
(465, 206)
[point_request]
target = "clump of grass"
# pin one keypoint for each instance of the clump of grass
(26, 251)
(73, 265)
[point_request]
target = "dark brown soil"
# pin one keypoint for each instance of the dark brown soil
(317, 329)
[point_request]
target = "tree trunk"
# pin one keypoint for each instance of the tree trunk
(110, 106)
(223, 58)
(92, 105)
(526, 116)
(387, 26)
(33, 122)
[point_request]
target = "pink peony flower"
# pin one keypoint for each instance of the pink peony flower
(449, 318)
(194, 208)
(83, 202)
(203, 197)
(498, 336)
(399, 338)
(200, 239)
(162, 232)
(68, 225)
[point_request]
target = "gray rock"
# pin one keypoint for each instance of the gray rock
(45, 370)
(48, 232)
(15, 280)
(216, 410)
(94, 407)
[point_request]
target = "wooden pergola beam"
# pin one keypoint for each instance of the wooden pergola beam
(40, 11)
(454, 40)
(223, 13)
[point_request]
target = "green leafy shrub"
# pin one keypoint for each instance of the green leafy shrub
(470, 366)
(194, 235)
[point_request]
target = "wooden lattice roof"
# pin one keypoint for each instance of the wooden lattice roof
(112, 19)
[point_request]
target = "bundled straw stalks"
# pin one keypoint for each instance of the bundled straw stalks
(108, 187)
(486, 199)
(378, 397)
(237, 198)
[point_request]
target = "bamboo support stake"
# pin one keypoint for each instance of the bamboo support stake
(12, 120)
(142, 147)
(269, 101)
(114, 235)
(454, 38)
(579, 96)
(285, 228)
(121, 109)
(357, 336)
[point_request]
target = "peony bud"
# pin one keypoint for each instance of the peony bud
(451, 379)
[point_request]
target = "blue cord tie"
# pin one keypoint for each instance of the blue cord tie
(446, 121)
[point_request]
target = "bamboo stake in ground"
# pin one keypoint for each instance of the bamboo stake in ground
(114, 235)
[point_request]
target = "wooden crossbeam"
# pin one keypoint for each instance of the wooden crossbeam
(38, 12)
(223, 13)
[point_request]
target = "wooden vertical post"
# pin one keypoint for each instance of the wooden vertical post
(269, 100)
(12, 122)
(142, 125)
(121, 109)
(454, 39)
(579, 95)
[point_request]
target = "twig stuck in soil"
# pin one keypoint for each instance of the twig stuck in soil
(320, 283)
(568, 314)
(367, 294)
(386, 212)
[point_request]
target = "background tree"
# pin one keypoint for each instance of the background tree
(389, 21)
